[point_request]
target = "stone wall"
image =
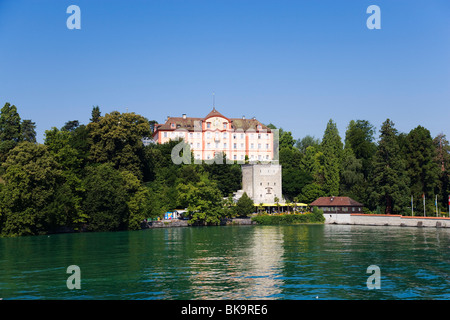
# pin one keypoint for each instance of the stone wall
(387, 220)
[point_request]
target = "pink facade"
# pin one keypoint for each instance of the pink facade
(236, 137)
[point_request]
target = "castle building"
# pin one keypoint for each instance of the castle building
(236, 137)
(262, 182)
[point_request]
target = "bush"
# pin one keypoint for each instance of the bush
(313, 217)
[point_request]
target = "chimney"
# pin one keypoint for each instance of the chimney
(184, 115)
(243, 117)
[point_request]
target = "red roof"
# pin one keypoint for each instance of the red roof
(335, 202)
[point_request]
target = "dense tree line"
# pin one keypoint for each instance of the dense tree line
(384, 172)
(101, 177)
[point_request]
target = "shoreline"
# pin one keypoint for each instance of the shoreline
(386, 220)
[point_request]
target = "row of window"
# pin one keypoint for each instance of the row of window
(235, 157)
(225, 146)
(343, 209)
(198, 135)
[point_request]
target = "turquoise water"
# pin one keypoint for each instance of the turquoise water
(233, 262)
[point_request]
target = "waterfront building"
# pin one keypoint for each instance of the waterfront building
(337, 205)
(214, 133)
(262, 183)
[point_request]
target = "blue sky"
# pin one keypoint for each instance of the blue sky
(295, 64)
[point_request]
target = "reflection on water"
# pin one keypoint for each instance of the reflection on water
(238, 262)
(241, 271)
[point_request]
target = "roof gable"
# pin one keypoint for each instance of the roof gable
(335, 202)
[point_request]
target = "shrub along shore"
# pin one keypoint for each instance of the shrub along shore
(316, 216)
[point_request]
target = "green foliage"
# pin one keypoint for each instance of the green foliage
(286, 219)
(390, 183)
(244, 206)
(10, 129)
(117, 138)
(105, 198)
(31, 177)
(28, 130)
(422, 169)
(332, 149)
(203, 201)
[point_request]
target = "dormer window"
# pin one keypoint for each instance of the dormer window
(172, 125)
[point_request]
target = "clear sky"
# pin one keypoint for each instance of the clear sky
(295, 64)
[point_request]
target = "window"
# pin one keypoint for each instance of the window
(259, 145)
(259, 136)
(251, 146)
(224, 145)
(172, 125)
(242, 136)
(224, 125)
(234, 146)
(198, 134)
(165, 134)
(225, 135)
(234, 136)
(208, 125)
(353, 209)
(234, 157)
(267, 146)
(208, 146)
(242, 146)
(198, 145)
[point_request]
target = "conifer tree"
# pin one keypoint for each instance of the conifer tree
(332, 148)
(389, 181)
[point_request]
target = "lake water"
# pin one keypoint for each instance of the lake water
(231, 262)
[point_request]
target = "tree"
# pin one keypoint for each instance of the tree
(352, 176)
(117, 138)
(389, 179)
(105, 198)
(71, 125)
(276, 199)
(32, 177)
(359, 137)
(332, 149)
(203, 201)
(421, 164)
(305, 142)
(28, 131)
(95, 114)
(227, 176)
(442, 160)
(245, 205)
(10, 129)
